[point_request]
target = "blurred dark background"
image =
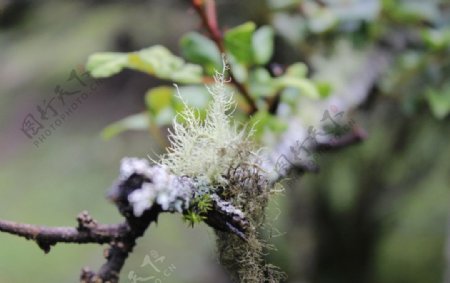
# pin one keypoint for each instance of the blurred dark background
(376, 212)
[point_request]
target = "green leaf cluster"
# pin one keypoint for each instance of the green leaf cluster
(248, 49)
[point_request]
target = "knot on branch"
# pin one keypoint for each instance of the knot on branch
(45, 245)
(86, 222)
(88, 276)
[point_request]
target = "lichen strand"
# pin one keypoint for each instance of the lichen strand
(249, 190)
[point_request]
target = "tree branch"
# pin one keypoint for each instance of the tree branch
(121, 238)
(357, 91)
(136, 176)
(209, 21)
(88, 231)
(355, 136)
(119, 249)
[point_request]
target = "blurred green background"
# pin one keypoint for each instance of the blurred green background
(377, 212)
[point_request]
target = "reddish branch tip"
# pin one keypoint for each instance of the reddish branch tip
(210, 23)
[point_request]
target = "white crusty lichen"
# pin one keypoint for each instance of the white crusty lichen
(171, 192)
(206, 149)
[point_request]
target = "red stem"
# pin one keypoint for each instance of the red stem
(209, 21)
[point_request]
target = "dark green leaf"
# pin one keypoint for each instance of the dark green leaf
(201, 50)
(263, 45)
(238, 42)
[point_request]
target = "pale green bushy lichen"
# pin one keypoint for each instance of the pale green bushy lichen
(207, 149)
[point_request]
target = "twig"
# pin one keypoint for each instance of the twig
(46, 237)
(274, 102)
(377, 61)
(121, 238)
(356, 135)
(119, 249)
(209, 21)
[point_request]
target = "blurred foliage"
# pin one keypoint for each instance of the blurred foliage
(248, 51)
(422, 67)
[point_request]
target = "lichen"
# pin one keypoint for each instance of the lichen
(206, 149)
(249, 190)
(220, 156)
(211, 173)
(160, 187)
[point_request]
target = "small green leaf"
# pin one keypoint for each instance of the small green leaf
(201, 50)
(156, 60)
(189, 74)
(102, 65)
(324, 89)
(295, 78)
(439, 102)
(163, 102)
(159, 61)
(322, 20)
(240, 71)
(263, 121)
(261, 83)
(164, 117)
(305, 86)
(290, 96)
(159, 101)
(139, 121)
(297, 70)
(195, 96)
(263, 45)
(158, 98)
(436, 39)
(238, 42)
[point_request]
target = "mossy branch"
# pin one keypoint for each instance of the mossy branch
(225, 216)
